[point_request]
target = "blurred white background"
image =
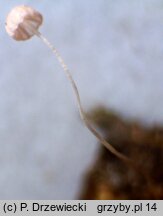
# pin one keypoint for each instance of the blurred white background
(115, 52)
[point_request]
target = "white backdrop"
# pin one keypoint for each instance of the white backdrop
(115, 52)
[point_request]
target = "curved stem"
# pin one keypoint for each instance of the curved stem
(80, 108)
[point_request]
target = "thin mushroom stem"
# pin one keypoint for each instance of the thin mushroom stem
(80, 108)
(83, 116)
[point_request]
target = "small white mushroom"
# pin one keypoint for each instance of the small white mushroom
(21, 24)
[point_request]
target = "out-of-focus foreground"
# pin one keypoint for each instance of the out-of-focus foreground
(110, 178)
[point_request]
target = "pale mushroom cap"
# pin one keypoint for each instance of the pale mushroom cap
(23, 22)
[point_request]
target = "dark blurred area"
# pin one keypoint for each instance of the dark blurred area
(111, 178)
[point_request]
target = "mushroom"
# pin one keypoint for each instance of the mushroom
(21, 24)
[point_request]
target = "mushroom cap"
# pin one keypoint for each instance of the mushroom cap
(23, 22)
